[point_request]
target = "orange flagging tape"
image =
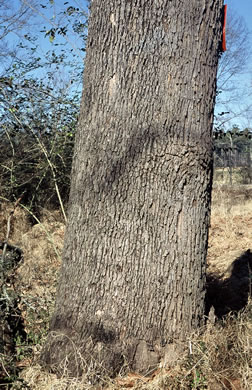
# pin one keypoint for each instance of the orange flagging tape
(224, 48)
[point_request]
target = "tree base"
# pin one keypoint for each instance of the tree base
(66, 355)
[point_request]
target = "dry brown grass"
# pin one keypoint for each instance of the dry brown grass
(220, 358)
(231, 226)
(217, 357)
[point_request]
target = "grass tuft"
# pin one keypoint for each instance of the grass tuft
(216, 357)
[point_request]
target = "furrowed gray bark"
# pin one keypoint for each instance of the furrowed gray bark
(133, 272)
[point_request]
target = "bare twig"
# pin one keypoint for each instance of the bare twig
(8, 229)
(44, 151)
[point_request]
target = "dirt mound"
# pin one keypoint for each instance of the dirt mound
(32, 284)
(20, 222)
(41, 244)
(42, 247)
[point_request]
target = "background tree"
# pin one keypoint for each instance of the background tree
(233, 149)
(50, 58)
(133, 273)
(234, 63)
(14, 18)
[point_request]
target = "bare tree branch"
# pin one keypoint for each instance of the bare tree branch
(233, 72)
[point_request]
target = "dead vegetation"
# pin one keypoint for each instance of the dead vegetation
(217, 358)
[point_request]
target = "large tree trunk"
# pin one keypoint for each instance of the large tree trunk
(133, 273)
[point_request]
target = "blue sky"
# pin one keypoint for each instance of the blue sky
(242, 7)
(47, 15)
(243, 81)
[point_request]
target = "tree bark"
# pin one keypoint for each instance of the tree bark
(133, 272)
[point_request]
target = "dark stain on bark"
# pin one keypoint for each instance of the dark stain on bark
(100, 334)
